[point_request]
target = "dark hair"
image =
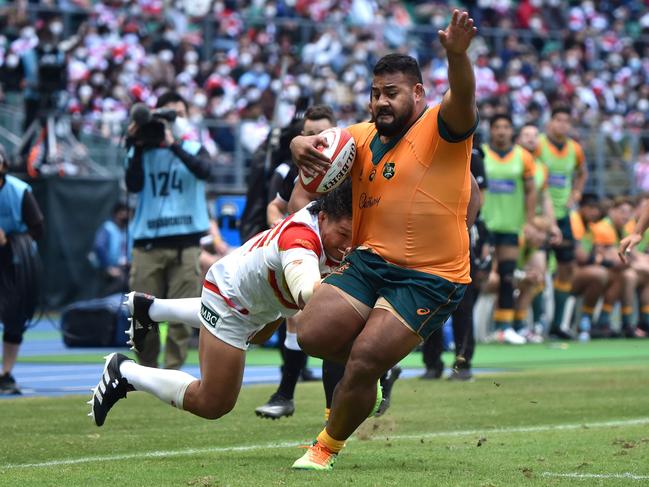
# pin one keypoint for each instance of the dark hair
(119, 206)
(318, 112)
(622, 200)
(337, 203)
(500, 116)
(589, 199)
(398, 63)
(520, 130)
(282, 152)
(560, 109)
(170, 97)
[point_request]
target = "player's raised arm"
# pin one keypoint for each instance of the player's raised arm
(304, 149)
(458, 110)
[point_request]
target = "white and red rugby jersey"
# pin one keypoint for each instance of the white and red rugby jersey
(251, 279)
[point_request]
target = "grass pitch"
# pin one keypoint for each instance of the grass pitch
(557, 421)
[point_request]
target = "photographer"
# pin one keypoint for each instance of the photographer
(168, 173)
(20, 221)
(41, 87)
(44, 73)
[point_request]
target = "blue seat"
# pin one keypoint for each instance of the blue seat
(229, 210)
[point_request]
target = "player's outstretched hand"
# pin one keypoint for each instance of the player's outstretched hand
(457, 37)
(627, 244)
(308, 157)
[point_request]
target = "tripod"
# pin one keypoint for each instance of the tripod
(48, 146)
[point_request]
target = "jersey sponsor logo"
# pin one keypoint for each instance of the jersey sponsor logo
(210, 316)
(388, 170)
(557, 180)
(367, 201)
(305, 243)
(423, 311)
(341, 268)
(169, 221)
(502, 186)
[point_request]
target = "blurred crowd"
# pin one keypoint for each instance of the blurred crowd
(227, 57)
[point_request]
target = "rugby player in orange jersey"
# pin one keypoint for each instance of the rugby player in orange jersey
(409, 265)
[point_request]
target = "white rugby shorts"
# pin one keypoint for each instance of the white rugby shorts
(224, 322)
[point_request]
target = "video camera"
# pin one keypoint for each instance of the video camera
(52, 78)
(151, 124)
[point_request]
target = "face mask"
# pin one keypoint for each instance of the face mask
(245, 59)
(191, 57)
(119, 93)
(292, 93)
(130, 66)
(536, 23)
(12, 60)
(200, 100)
(56, 28)
(360, 55)
(547, 72)
(166, 56)
(85, 92)
(192, 70)
(181, 127)
(170, 36)
(97, 79)
(27, 33)
(223, 70)
(304, 80)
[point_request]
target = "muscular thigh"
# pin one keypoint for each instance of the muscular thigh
(221, 368)
(331, 318)
(383, 342)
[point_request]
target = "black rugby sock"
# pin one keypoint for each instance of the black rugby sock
(332, 372)
(294, 362)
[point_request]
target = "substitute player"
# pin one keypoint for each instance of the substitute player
(509, 209)
(535, 259)
(567, 174)
(246, 293)
(409, 266)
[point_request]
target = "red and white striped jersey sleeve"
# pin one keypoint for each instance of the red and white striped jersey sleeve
(298, 241)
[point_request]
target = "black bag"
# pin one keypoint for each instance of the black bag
(95, 323)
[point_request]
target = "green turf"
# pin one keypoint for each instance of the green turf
(496, 356)
(497, 431)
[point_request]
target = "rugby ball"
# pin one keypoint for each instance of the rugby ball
(341, 149)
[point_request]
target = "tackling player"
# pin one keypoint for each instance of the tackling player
(245, 295)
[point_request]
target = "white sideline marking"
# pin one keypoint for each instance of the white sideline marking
(584, 476)
(268, 446)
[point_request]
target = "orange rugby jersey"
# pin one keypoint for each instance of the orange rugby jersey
(410, 202)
